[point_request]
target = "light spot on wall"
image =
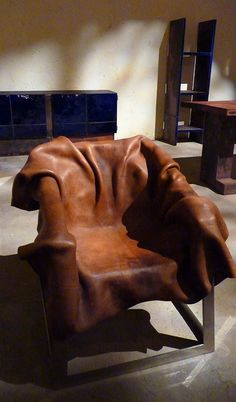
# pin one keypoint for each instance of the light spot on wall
(31, 68)
(125, 60)
(227, 67)
(221, 87)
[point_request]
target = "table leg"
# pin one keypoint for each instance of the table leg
(217, 153)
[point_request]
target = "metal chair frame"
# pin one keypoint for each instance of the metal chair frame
(205, 343)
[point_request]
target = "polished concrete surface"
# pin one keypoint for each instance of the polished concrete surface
(24, 356)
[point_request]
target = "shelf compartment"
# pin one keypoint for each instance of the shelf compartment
(189, 129)
(192, 92)
(196, 54)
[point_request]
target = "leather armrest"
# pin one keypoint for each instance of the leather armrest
(53, 256)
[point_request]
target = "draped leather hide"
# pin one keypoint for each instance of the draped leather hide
(118, 225)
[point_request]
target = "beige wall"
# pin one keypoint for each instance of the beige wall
(109, 44)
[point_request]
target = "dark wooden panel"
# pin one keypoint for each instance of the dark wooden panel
(174, 68)
(205, 43)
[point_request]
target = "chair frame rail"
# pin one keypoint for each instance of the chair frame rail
(205, 343)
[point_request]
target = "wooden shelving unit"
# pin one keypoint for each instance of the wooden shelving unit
(201, 74)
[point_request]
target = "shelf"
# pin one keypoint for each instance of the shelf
(190, 129)
(187, 104)
(196, 54)
(189, 93)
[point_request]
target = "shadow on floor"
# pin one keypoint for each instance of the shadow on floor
(23, 350)
(24, 354)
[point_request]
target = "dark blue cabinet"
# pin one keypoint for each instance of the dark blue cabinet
(5, 118)
(84, 114)
(28, 116)
(22, 116)
(47, 114)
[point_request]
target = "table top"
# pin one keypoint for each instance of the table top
(226, 108)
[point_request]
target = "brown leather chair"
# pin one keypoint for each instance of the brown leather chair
(118, 225)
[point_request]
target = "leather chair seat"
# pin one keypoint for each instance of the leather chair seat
(118, 225)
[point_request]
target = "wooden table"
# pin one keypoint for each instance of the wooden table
(218, 144)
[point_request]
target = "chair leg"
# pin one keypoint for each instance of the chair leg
(208, 312)
(205, 332)
(191, 320)
(46, 325)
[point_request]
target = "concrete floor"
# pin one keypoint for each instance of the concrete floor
(23, 342)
